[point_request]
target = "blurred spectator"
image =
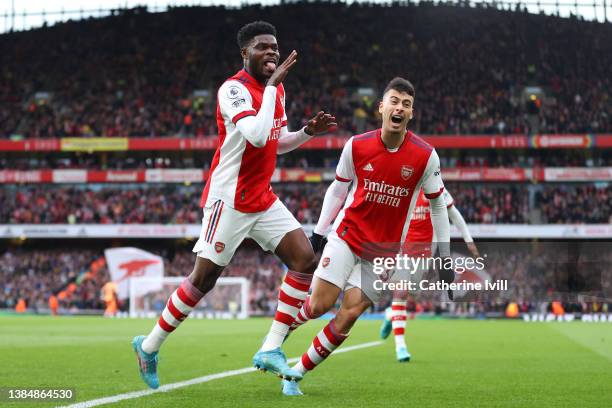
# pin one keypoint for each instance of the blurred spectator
(137, 73)
(575, 204)
(491, 204)
(178, 204)
(36, 274)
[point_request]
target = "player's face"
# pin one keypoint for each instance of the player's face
(261, 56)
(396, 111)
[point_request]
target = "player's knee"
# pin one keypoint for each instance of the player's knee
(202, 280)
(205, 275)
(310, 264)
(304, 261)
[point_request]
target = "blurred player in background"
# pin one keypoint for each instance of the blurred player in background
(53, 304)
(421, 241)
(109, 296)
(378, 179)
(238, 200)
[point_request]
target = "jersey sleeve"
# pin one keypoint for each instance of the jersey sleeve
(448, 198)
(345, 171)
(235, 101)
(432, 180)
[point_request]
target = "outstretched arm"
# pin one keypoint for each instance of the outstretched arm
(457, 219)
(289, 141)
(434, 188)
(441, 226)
(335, 196)
(321, 123)
(332, 203)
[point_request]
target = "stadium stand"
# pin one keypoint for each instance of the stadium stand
(472, 73)
(469, 67)
(34, 275)
(321, 159)
(480, 204)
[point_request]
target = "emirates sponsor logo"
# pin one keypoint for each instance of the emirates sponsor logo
(384, 188)
(380, 192)
(420, 212)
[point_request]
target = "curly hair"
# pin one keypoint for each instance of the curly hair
(249, 31)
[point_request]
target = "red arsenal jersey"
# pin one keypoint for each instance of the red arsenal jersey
(240, 173)
(421, 229)
(386, 183)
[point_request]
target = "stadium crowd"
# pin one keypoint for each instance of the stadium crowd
(36, 275)
(304, 159)
(155, 74)
(533, 276)
(575, 204)
(176, 204)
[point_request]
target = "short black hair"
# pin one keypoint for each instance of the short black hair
(249, 31)
(401, 85)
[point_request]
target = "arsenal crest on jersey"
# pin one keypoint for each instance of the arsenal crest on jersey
(219, 247)
(407, 172)
(325, 262)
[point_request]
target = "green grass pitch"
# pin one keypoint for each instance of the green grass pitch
(455, 363)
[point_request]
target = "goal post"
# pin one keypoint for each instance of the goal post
(229, 299)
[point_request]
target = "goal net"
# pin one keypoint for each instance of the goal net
(229, 299)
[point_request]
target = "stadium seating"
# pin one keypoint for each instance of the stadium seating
(480, 204)
(468, 66)
(303, 159)
(34, 274)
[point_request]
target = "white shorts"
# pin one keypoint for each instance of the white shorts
(342, 268)
(224, 229)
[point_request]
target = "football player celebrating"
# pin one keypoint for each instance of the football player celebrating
(238, 200)
(378, 179)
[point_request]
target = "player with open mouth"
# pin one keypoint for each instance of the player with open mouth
(378, 179)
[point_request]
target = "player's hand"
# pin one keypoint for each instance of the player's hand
(447, 274)
(321, 123)
(473, 250)
(317, 241)
(282, 70)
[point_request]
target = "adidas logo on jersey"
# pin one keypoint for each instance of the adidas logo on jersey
(368, 167)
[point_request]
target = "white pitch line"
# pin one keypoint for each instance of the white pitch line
(197, 380)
